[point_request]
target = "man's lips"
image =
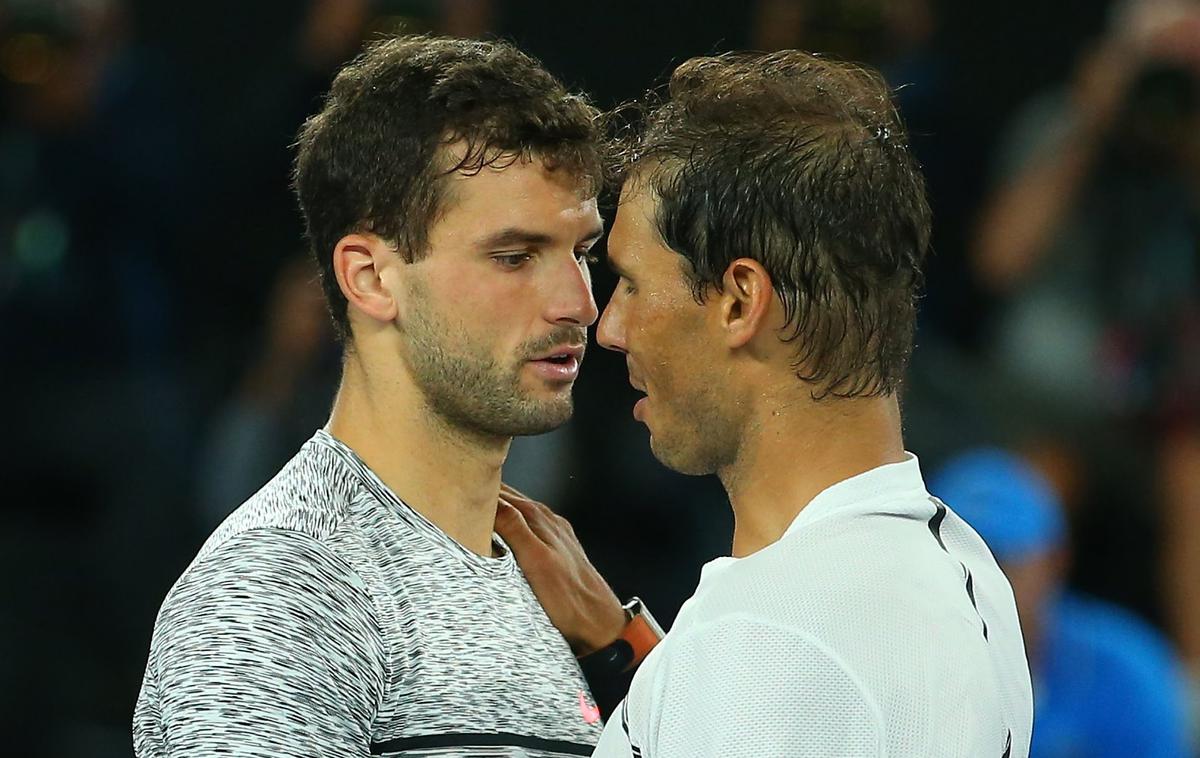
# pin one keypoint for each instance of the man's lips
(561, 353)
(560, 364)
(639, 407)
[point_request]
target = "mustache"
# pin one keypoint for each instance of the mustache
(572, 336)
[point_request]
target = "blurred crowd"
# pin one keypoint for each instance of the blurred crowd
(165, 347)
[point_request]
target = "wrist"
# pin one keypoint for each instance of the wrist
(603, 633)
(633, 642)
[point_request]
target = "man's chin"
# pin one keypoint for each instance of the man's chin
(546, 418)
(679, 459)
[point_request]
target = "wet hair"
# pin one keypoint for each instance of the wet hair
(375, 158)
(802, 164)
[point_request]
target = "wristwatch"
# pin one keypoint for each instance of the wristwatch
(638, 638)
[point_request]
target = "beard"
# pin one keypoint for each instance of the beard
(469, 389)
(694, 436)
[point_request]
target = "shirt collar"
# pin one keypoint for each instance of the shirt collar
(890, 480)
(502, 564)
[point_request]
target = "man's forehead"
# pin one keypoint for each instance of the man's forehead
(461, 162)
(636, 210)
(512, 189)
(634, 241)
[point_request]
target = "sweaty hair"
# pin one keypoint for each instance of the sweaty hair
(802, 164)
(375, 157)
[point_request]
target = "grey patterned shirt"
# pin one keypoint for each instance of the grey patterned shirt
(326, 617)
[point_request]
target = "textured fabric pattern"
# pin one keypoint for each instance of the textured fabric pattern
(326, 617)
(878, 625)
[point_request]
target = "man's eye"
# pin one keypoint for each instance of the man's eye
(512, 260)
(585, 256)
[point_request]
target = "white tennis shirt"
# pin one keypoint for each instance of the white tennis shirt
(878, 625)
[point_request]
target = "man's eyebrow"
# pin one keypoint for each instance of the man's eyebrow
(593, 237)
(516, 236)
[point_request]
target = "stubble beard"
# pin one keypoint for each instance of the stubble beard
(697, 439)
(468, 389)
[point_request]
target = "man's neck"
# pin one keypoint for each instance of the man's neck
(449, 476)
(791, 452)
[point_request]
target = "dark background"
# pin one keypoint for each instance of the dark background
(162, 350)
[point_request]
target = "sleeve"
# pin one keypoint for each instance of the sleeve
(740, 686)
(269, 649)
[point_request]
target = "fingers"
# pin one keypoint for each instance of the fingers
(540, 519)
(544, 522)
(515, 530)
(508, 489)
(518, 498)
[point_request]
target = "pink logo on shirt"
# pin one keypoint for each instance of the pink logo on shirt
(590, 713)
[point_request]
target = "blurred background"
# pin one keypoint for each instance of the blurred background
(164, 346)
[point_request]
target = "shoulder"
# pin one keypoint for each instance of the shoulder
(312, 495)
(268, 600)
(298, 525)
(842, 566)
(271, 646)
(274, 578)
(875, 588)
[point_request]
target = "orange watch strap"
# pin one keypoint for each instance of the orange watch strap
(642, 633)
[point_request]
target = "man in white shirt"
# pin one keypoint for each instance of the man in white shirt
(768, 242)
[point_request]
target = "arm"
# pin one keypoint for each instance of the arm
(1018, 223)
(272, 650)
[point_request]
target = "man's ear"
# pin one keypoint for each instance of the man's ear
(746, 296)
(359, 261)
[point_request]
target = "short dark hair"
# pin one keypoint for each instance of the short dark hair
(802, 164)
(373, 158)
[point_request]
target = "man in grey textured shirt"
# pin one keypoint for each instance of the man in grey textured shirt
(360, 603)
